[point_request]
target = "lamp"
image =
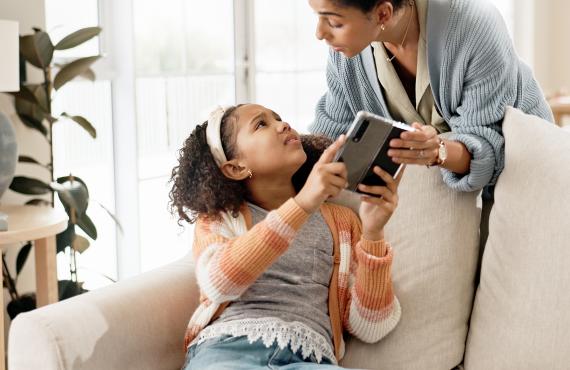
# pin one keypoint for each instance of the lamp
(9, 81)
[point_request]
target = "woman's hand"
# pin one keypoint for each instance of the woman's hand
(375, 211)
(417, 147)
(327, 179)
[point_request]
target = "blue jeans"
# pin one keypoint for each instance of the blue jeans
(236, 353)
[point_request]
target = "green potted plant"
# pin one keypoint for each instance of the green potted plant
(33, 105)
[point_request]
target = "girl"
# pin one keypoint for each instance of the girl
(281, 273)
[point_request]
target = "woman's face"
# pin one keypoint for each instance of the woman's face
(267, 145)
(346, 29)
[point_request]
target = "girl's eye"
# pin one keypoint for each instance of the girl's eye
(260, 124)
(335, 25)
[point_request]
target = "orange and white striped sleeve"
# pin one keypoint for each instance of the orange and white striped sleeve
(226, 267)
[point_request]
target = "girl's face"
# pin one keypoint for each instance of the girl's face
(346, 29)
(265, 144)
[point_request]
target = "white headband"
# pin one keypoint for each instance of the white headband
(214, 134)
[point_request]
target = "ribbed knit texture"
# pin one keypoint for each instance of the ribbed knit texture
(480, 75)
(227, 266)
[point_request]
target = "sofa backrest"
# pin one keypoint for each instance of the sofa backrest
(435, 236)
(521, 314)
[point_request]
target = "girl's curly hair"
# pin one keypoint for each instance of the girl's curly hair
(200, 188)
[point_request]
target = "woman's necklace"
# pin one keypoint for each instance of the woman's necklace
(406, 33)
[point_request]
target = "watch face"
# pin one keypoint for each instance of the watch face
(442, 152)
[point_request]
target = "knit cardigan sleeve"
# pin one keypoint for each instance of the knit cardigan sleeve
(481, 76)
(372, 310)
(333, 115)
(226, 267)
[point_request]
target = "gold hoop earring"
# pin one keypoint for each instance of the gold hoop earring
(382, 27)
(250, 173)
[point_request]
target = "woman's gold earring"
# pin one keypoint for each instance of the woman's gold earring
(250, 173)
(382, 27)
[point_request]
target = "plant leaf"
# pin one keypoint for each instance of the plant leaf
(29, 186)
(26, 159)
(80, 244)
(77, 38)
(78, 190)
(88, 75)
(72, 70)
(37, 49)
(69, 288)
(38, 202)
(22, 257)
(31, 122)
(64, 238)
(26, 94)
(85, 223)
(66, 198)
(83, 122)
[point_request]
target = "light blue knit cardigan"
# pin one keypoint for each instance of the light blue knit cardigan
(475, 74)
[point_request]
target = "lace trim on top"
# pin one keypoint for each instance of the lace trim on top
(269, 329)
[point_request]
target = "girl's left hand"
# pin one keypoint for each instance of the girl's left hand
(417, 147)
(375, 211)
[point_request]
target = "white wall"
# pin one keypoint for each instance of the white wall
(552, 44)
(29, 13)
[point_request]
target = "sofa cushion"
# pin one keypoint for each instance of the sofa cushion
(435, 236)
(520, 318)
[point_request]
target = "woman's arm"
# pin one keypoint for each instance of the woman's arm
(226, 267)
(333, 116)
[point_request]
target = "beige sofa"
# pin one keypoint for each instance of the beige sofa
(517, 317)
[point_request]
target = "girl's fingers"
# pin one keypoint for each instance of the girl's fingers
(378, 191)
(337, 168)
(388, 179)
(336, 181)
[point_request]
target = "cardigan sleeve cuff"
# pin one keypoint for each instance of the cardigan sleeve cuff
(373, 254)
(482, 165)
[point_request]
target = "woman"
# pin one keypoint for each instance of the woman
(446, 65)
(282, 274)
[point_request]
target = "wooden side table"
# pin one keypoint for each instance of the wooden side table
(40, 224)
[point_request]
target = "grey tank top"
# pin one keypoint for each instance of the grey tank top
(296, 286)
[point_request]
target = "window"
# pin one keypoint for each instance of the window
(180, 76)
(75, 152)
(290, 61)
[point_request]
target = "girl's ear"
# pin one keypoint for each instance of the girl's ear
(234, 170)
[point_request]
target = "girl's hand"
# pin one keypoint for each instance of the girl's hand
(417, 147)
(375, 211)
(326, 179)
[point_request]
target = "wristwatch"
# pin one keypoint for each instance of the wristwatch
(441, 155)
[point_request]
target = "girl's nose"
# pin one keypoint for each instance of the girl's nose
(284, 126)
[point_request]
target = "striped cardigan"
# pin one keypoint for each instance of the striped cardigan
(230, 255)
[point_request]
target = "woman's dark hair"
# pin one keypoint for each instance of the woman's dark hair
(200, 188)
(367, 5)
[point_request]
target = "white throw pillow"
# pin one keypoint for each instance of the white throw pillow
(521, 315)
(435, 235)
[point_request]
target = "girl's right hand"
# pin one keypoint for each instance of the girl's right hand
(327, 179)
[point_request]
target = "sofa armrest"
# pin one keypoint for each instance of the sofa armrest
(138, 323)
